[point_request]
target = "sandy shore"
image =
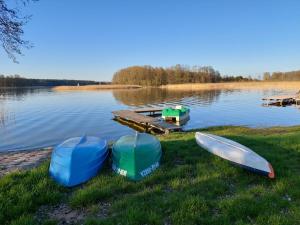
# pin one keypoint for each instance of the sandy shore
(285, 85)
(94, 87)
(20, 160)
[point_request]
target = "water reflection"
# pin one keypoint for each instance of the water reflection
(37, 117)
(157, 96)
(5, 114)
(14, 94)
(19, 93)
(2, 117)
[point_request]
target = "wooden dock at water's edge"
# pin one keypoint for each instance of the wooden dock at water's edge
(149, 123)
(282, 100)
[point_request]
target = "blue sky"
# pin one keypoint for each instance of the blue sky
(92, 39)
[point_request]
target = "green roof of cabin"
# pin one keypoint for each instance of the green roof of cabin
(172, 112)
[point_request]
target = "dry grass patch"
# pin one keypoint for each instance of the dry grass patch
(259, 85)
(94, 87)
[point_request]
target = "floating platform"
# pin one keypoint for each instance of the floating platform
(149, 123)
(282, 100)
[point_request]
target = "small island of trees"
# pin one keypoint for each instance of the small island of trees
(179, 74)
(151, 76)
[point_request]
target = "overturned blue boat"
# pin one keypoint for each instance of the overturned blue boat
(77, 160)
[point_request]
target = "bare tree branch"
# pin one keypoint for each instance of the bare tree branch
(11, 29)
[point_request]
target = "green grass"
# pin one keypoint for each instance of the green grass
(192, 186)
(21, 193)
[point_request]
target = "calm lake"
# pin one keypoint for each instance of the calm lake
(34, 118)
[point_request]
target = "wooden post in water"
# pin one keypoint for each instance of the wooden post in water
(147, 126)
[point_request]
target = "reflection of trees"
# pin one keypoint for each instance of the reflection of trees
(15, 94)
(2, 117)
(18, 93)
(146, 96)
(3, 114)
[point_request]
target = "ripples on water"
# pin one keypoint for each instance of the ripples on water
(34, 118)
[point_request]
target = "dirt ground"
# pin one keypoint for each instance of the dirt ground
(20, 160)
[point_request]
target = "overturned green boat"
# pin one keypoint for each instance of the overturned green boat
(136, 156)
(177, 113)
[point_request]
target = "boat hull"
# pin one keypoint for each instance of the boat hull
(136, 156)
(235, 153)
(77, 160)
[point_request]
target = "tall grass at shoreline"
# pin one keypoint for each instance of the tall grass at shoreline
(254, 85)
(94, 87)
(192, 186)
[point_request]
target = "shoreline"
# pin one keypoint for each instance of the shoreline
(95, 87)
(20, 160)
(180, 176)
(251, 85)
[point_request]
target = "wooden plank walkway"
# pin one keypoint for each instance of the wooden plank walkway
(133, 116)
(149, 123)
(281, 100)
(166, 126)
(145, 110)
(280, 97)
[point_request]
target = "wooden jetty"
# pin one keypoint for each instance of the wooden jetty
(147, 122)
(282, 100)
(149, 110)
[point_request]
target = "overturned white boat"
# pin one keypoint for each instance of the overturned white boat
(235, 152)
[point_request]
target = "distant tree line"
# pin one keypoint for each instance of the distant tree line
(238, 78)
(18, 81)
(156, 76)
(282, 76)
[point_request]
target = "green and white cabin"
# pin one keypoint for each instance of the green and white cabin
(177, 113)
